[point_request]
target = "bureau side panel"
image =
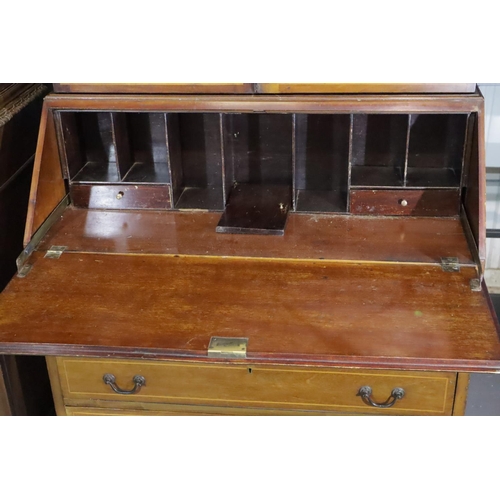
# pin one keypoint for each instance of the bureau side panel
(47, 185)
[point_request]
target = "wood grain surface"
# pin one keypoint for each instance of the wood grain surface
(412, 202)
(240, 88)
(307, 236)
(370, 88)
(360, 314)
(47, 187)
(121, 196)
(459, 103)
(155, 88)
(270, 386)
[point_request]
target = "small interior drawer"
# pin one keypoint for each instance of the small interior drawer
(413, 202)
(121, 196)
(257, 386)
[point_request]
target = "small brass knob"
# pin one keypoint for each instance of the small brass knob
(403, 203)
(119, 196)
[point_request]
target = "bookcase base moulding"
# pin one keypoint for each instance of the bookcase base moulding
(307, 254)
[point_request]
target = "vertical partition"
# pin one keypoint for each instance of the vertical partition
(196, 160)
(322, 158)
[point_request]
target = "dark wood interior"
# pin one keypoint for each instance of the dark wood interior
(196, 160)
(436, 150)
(321, 163)
(378, 150)
(147, 139)
(201, 158)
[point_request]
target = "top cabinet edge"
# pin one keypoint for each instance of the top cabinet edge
(265, 88)
(317, 103)
(154, 88)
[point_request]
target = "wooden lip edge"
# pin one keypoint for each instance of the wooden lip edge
(325, 361)
(154, 88)
(444, 103)
(43, 247)
(266, 87)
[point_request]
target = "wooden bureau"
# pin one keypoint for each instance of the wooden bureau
(256, 249)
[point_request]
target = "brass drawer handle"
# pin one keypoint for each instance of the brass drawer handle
(366, 391)
(138, 380)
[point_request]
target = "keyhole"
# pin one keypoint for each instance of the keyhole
(250, 371)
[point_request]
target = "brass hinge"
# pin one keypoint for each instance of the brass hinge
(450, 264)
(475, 285)
(227, 347)
(22, 268)
(54, 252)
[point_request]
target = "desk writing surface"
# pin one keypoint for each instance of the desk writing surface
(163, 306)
(307, 236)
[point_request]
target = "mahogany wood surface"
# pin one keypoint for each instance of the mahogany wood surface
(481, 173)
(307, 236)
(474, 199)
(355, 314)
(155, 88)
(370, 88)
(412, 202)
(47, 188)
(121, 196)
(255, 209)
(270, 386)
(449, 103)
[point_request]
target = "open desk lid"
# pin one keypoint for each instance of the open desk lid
(375, 315)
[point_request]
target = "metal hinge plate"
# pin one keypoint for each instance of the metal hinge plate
(25, 269)
(450, 264)
(54, 252)
(41, 232)
(227, 347)
(475, 285)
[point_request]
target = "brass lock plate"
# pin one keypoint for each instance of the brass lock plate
(227, 347)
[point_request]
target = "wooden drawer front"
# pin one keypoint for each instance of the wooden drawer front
(158, 409)
(82, 411)
(256, 386)
(103, 407)
(416, 202)
(121, 196)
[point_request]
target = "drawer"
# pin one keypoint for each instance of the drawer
(121, 196)
(257, 386)
(416, 202)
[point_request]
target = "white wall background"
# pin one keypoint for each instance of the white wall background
(491, 92)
